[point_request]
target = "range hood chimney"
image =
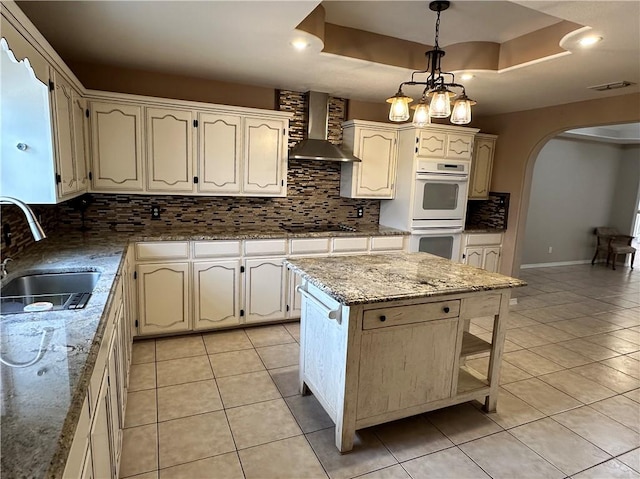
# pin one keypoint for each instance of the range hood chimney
(316, 146)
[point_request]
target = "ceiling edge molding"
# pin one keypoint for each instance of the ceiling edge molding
(534, 47)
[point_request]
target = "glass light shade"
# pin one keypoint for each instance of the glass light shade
(440, 106)
(399, 110)
(421, 116)
(461, 114)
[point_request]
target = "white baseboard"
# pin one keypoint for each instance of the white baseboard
(513, 301)
(558, 263)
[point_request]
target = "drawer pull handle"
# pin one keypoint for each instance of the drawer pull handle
(446, 309)
(383, 318)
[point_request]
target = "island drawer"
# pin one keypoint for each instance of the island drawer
(309, 245)
(162, 250)
(214, 249)
(414, 313)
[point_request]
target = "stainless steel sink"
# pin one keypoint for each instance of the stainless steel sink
(64, 290)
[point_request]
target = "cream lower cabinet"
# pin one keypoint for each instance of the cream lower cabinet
(217, 289)
(163, 298)
(265, 289)
(482, 250)
(375, 176)
(97, 443)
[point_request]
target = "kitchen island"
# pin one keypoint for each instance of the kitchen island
(385, 337)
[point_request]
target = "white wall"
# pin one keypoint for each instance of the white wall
(575, 188)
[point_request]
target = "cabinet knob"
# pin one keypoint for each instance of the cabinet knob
(446, 309)
(383, 318)
(22, 146)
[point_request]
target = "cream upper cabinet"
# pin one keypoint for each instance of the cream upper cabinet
(71, 139)
(169, 142)
(116, 146)
(64, 129)
(265, 152)
(373, 177)
(482, 166)
(265, 289)
(81, 141)
(445, 142)
(219, 153)
(163, 298)
(216, 293)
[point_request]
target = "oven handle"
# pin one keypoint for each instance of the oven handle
(442, 178)
(431, 231)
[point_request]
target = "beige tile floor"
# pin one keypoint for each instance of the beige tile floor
(225, 404)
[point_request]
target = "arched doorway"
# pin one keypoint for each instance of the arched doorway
(581, 179)
(522, 135)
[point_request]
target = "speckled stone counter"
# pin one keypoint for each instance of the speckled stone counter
(482, 229)
(41, 403)
(389, 277)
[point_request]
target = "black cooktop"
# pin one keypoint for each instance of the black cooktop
(317, 228)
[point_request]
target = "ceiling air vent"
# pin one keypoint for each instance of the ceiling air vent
(611, 86)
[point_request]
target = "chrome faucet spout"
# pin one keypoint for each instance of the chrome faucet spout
(34, 226)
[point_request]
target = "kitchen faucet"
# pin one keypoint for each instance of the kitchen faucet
(34, 226)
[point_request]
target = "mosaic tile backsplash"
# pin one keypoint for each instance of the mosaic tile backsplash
(490, 213)
(313, 197)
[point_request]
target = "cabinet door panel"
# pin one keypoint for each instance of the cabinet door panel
(473, 257)
(63, 95)
(265, 287)
(100, 430)
(432, 144)
(163, 297)
(116, 147)
(220, 153)
(459, 146)
(216, 294)
(80, 141)
(491, 259)
(295, 298)
(376, 173)
(169, 150)
(264, 152)
(393, 374)
(481, 167)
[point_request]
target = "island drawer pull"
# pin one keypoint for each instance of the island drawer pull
(446, 309)
(331, 313)
(383, 318)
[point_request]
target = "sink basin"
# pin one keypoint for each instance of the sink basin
(63, 290)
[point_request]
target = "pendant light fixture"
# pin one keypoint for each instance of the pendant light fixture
(437, 95)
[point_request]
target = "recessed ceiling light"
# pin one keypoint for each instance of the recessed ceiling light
(589, 40)
(466, 76)
(300, 44)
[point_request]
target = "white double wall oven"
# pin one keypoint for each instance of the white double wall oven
(439, 206)
(432, 184)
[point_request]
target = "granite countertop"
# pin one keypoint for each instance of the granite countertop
(41, 403)
(388, 277)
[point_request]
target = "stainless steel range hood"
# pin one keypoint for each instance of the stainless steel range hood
(316, 146)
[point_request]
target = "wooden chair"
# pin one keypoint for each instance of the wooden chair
(612, 243)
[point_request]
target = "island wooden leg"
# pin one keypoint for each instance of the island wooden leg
(495, 360)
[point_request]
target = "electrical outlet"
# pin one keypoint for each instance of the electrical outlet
(155, 212)
(550, 249)
(360, 212)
